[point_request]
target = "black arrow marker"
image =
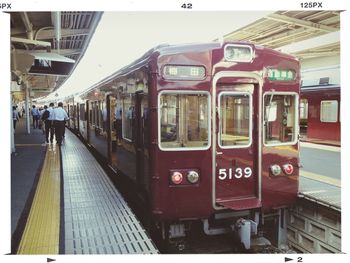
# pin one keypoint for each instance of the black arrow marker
(50, 260)
(287, 259)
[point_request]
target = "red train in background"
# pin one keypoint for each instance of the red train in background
(206, 132)
(320, 114)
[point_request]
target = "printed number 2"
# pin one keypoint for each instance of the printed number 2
(187, 6)
(300, 259)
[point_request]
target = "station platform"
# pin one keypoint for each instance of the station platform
(64, 203)
(305, 139)
(320, 176)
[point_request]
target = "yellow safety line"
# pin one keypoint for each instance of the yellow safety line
(320, 146)
(41, 233)
(30, 144)
(321, 178)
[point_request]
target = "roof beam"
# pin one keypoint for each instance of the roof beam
(32, 42)
(62, 52)
(282, 36)
(50, 33)
(302, 23)
(312, 43)
(316, 54)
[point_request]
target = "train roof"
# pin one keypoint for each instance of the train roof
(319, 87)
(166, 49)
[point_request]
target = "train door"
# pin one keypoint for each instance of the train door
(235, 152)
(141, 109)
(88, 119)
(77, 116)
(111, 130)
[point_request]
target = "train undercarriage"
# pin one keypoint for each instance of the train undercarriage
(229, 232)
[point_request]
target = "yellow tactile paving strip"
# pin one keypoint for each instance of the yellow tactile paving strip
(41, 233)
(321, 178)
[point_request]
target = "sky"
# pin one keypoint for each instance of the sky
(122, 37)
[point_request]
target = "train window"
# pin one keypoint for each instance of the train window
(82, 112)
(282, 128)
(183, 120)
(329, 111)
(235, 120)
(128, 117)
(93, 113)
(303, 109)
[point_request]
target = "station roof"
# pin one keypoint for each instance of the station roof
(283, 28)
(34, 41)
(47, 46)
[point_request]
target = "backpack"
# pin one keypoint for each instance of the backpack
(46, 115)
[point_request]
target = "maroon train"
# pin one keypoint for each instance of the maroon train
(320, 114)
(205, 131)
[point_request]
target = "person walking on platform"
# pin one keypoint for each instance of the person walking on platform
(42, 119)
(36, 116)
(15, 116)
(60, 117)
(48, 118)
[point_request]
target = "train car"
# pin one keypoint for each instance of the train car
(205, 132)
(320, 114)
(69, 107)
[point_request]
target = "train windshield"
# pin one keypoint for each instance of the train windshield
(184, 121)
(280, 119)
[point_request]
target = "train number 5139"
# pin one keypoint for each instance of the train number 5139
(237, 173)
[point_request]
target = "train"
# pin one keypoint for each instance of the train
(206, 133)
(320, 114)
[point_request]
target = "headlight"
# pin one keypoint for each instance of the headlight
(193, 177)
(275, 169)
(238, 53)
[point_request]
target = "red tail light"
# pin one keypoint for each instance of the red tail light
(176, 177)
(288, 169)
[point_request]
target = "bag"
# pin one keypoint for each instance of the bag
(46, 115)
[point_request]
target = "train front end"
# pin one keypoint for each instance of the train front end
(226, 143)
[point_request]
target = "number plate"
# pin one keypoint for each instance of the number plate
(235, 173)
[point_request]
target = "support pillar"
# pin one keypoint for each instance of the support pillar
(13, 147)
(27, 109)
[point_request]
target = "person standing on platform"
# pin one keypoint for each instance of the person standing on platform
(14, 116)
(19, 112)
(60, 117)
(36, 116)
(47, 117)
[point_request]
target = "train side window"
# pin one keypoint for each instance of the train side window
(303, 109)
(235, 120)
(329, 111)
(282, 128)
(128, 117)
(184, 121)
(82, 112)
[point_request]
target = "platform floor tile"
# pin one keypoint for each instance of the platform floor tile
(321, 192)
(97, 218)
